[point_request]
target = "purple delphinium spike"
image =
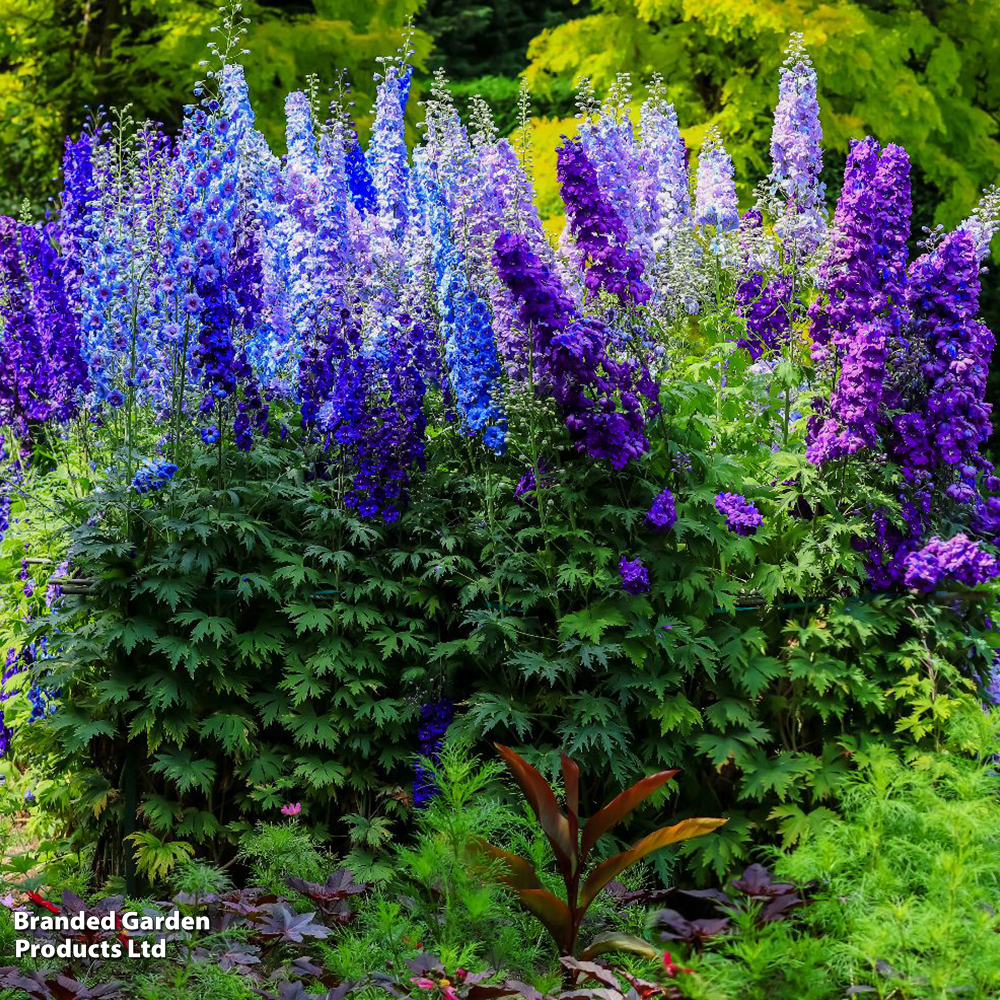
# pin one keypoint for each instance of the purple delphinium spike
(662, 515)
(599, 232)
(947, 418)
(742, 516)
(43, 375)
(959, 559)
(436, 718)
(762, 301)
(601, 399)
(858, 325)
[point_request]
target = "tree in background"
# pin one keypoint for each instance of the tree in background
(57, 57)
(922, 73)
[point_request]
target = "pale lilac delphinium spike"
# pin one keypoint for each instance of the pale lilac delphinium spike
(676, 272)
(984, 221)
(387, 153)
(797, 155)
(667, 190)
(715, 194)
(300, 192)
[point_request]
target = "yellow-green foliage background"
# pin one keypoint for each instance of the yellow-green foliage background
(924, 73)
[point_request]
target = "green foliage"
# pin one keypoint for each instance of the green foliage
(909, 875)
(199, 879)
(905, 887)
(435, 895)
(277, 851)
(241, 641)
(195, 981)
(155, 858)
(473, 40)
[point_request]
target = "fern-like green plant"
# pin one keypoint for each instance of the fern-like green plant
(155, 858)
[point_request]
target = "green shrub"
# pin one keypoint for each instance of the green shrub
(275, 852)
(437, 895)
(203, 981)
(199, 879)
(906, 887)
(246, 641)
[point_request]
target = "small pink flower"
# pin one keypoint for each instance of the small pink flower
(292, 809)
(424, 984)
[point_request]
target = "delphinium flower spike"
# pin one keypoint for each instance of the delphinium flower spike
(797, 155)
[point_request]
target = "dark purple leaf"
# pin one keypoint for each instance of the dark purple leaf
(283, 924)
(426, 964)
(678, 928)
(46, 986)
(305, 966)
(778, 907)
(756, 882)
(523, 990)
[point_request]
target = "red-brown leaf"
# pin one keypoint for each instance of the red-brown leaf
(619, 807)
(607, 870)
(520, 873)
(543, 802)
